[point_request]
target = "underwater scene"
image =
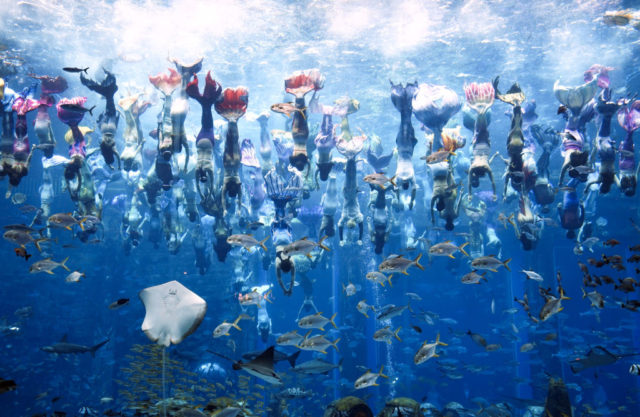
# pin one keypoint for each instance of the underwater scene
(319, 208)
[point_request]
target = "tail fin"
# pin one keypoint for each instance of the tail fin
(323, 246)
(417, 263)
(506, 264)
(584, 293)
(292, 359)
(390, 283)
(98, 346)
(510, 220)
(80, 223)
(438, 342)
(262, 243)
(332, 318)
(381, 374)
(562, 296)
(461, 248)
(40, 240)
(392, 180)
(62, 264)
(235, 323)
(334, 344)
(396, 334)
(340, 364)
(266, 296)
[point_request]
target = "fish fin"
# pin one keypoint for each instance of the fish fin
(493, 270)
(506, 264)
(332, 318)
(461, 249)
(335, 344)
(323, 351)
(62, 264)
(396, 334)
(381, 374)
(390, 283)
(417, 261)
(83, 219)
(308, 255)
(49, 272)
(262, 243)
(323, 246)
(392, 180)
(366, 315)
(451, 256)
(68, 227)
(405, 272)
(292, 359)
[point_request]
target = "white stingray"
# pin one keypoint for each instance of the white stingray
(173, 312)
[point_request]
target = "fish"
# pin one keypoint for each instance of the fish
(64, 347)
(493, 347)
(390, 311)
(118, 303)
(626, 285)
(247, 241)
(47, 265)
(304, 246)
(363, 307)
(634, 369)
(75, 69)
(552, 306)
(223, 328)
(77, 108)
(317, 343)
(490, 263)
(74, 276)
(447, 249)
(385, 334)
(477, 338)
(317, 366)
(261, 367)
(597, 356)
(7, 385)
(427, 351)
(397, 263)
(349, 289)
(316, 321)
(378, 277)
(18, 198)
(416, 328)
(292, 338)
(369, 379)
(473, 277)
(65, 220)
(22, 238)
(379, 179)
(597, 300)
(562, 109)
(437, 157)
(294, 392)
(22, 252)
(532, 275)
(253, 298)
(287, 108)
(278, 356)
(611, 242)
(413, 296)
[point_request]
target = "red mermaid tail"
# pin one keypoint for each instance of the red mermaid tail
(301, 82)
(233, 104)
(212, 90)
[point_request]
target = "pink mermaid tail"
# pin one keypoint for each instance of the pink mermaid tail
(166, 83)
(480, 97)
(629, 116)
(71, 110)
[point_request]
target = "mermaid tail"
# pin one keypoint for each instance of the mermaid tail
(73, 112)
(212, 93)
(233, 104)
(379, 163)
(599, 72)
(575, 98)
(187, 70)
(248, 153)
(434, 105)
(301, 82)
(352, 147)
(513, 96)
(107, 89)
(480, 97)
(51, 85)
(23, 105)
(629, 117)
(166, 84)
(402, 96)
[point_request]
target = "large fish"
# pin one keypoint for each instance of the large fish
(64, 347)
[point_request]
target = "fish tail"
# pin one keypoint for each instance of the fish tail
(335, 344)
(396, 334)
(417, 261)
(98, 346)
(62, 264)
(381, 374)
(266, 297)
(365, 314)
(262, 243)
(562, 296)
(390, 283)
(38, 241)
(27, 256)
(584, 293)
(510, 220)
(438, 342)
(304, 117)
(506, 264)
(392, 180)
(323, 246)
(84, 219)
(461, 249)
(235, 323)
(332, 318)
(292, 359)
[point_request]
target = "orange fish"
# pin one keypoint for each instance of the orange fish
(22, 252)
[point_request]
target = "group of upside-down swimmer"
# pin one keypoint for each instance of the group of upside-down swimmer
(219, 197)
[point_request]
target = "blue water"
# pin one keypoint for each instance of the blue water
(358, 47)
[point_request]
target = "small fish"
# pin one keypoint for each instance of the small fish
(427, 351)
(527, 347)
(65, 220)
(28, 208)
(532, 275)
(562, 109)
(303, 247)
(437, 157)
(369, 379)
(74, 276)
(247, 241)
(223, 328)
(397, 263)
(316, 321)
(7, 385)
(287, 108)
(18, 198)
(291, 338)
(552, 306)
(379, 278)
(490, 263)
(634, 369)
(473, 277)
(477, 338)
(47, 265)
(119, 303)
(413, 296)
(22, 252)
(597, 300)
(363, 307)
(493, 347)
(75, 107)
(416, 328)
(379, 179)
(75, 69)
(349, 289)
(611, 242)
(447, 249)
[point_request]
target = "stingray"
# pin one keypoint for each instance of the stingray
(260, 367)
(598, 356)
(173, 312)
